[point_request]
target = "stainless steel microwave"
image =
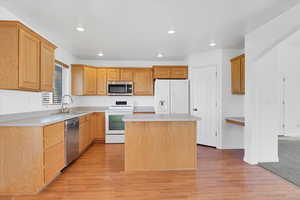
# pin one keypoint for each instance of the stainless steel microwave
(117, 88)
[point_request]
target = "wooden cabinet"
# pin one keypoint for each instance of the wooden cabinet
(113, 74)
(29, 61)
(100, 127)
(26, 58)
(90, 81)
(47, 66)
(85, 132)
(238, 75)
(170, 72)
(54, 151)
(179, 72)
(84, 80)
(87, 80)
(126, 74)
(143, 82)
(101, 81)
(243, 74)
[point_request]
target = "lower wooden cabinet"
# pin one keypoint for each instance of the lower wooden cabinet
(100, 127)
(31, 157)
(54, 151)
(87, 130)
(54, 161)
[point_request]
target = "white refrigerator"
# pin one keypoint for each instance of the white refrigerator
(171, 96)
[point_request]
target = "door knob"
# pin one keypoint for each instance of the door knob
(195, 109)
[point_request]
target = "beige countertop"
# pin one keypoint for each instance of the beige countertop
(160, 117)
(45, 118)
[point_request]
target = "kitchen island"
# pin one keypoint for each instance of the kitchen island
(160, 142)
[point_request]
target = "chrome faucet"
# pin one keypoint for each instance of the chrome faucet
(65, 105)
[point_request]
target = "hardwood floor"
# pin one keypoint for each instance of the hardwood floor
(221, 175)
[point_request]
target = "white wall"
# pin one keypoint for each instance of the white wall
(230, 137)
(18, 101)
(107, 101)
(288, 62)
(232, 105)
(262, 99)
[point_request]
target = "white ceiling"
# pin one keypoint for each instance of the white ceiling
(137, 29)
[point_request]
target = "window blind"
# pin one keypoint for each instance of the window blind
(54, 98)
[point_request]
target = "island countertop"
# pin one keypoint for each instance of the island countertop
(159, 117)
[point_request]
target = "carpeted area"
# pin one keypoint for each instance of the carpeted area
(288, 166)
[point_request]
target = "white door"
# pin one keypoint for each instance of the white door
(203, 103)
(162, 96)
(179, 93)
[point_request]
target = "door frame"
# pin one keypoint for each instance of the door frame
(218, 98)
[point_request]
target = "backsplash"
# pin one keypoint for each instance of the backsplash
(110, 100)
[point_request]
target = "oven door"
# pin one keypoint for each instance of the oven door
(114, 125)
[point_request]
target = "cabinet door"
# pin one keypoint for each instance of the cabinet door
(93, 123)
(143, 82)
(126, 75)
(101, 82)
(54, 161)
(29, 61)
(9, 39)
(47, 67)
(100, 126)
(179, 72)
(162, 72)
(89, 81)
(82, 136)
(236, 76)
(113, 74)
(54, 150)
(243, 74)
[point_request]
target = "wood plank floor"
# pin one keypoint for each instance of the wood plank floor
(222, 175)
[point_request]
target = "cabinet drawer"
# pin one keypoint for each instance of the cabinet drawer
(53, 134)
(54, 161)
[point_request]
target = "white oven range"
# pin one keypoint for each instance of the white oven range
(114, 125)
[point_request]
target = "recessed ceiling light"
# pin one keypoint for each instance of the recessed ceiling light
(212, 44)
(160, 55)
(171, 31)
(80, 28)
(100, 54)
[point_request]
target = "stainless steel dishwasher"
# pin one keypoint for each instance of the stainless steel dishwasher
(71, 140)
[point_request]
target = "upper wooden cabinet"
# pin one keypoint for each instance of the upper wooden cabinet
(101, 81)
(126, 74)
(238, 75)
(26, 58)
(84, 80)
(170, 72)
(47, 66)
(89, 80)
(29, 61)
(113, 74)
(143, 82)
